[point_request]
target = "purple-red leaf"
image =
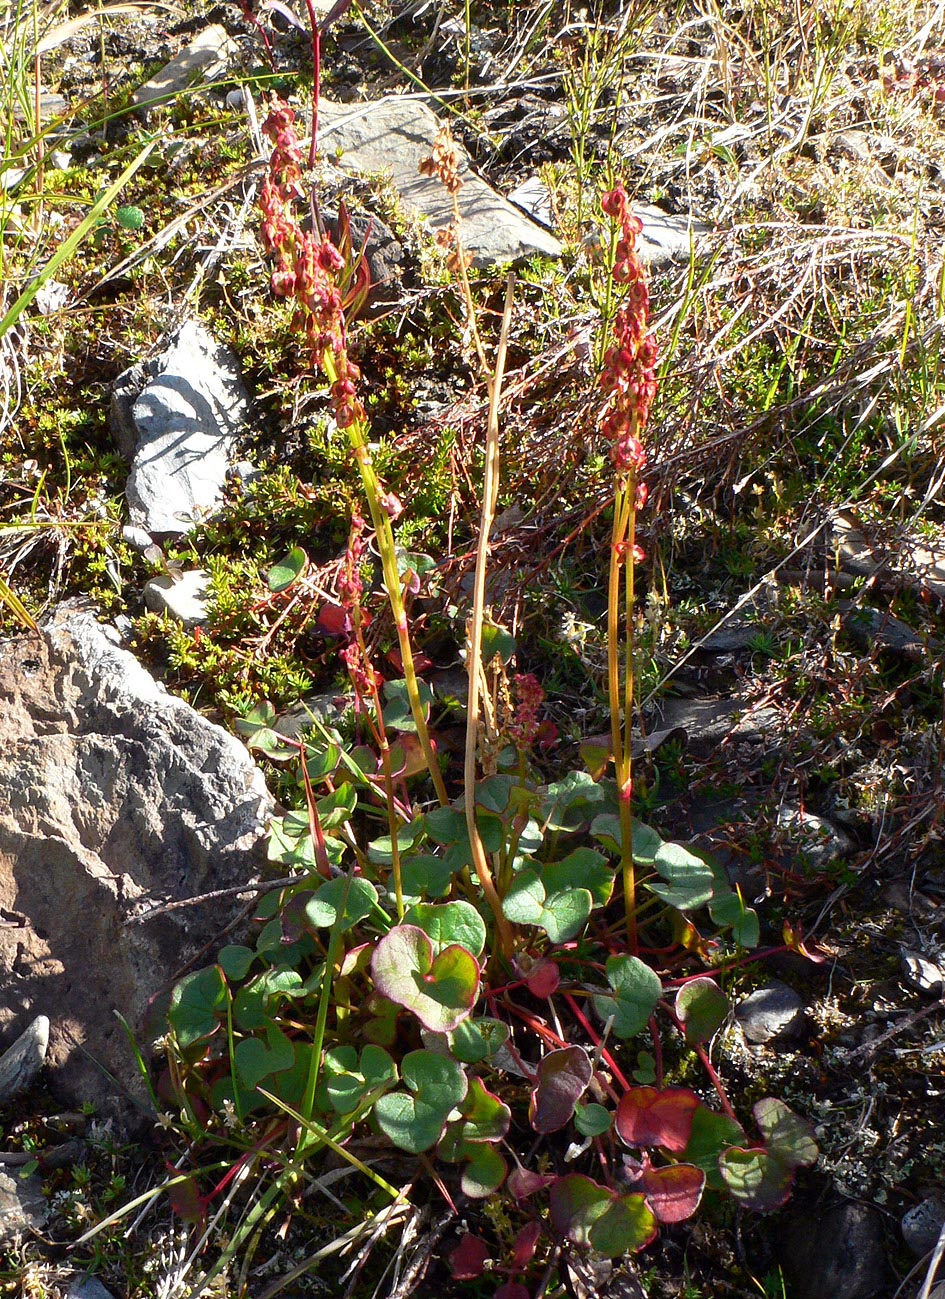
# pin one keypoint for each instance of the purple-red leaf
(673, 1193)
(560, 1082)
(468, 1259)
(523, 1247)
(522, 1182)
(647, 1116)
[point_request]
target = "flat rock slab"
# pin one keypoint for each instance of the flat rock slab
(666, 237)
(393, 136)
(115, 797)
(23, 1206)
(177, 419)
(20, 1064)
(207, 57)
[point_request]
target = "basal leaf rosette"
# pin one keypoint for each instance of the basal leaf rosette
(440, 990)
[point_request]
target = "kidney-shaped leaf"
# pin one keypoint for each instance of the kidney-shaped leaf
(690, 882)
(414, 1120)
(441, 991)
(787, 1136)
(636, 991)
(449, 923)
(647, 1116)
(711, 1134)
(755, 1178)
(561, 1080)
(674, 1192)
(701, 1006)
(589, 1214)
(196, 1003)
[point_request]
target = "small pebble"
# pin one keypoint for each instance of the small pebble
(87, 1287)
(137, 538)
(775, 1011)
(922, 974)
(186, 599)
(922, 1224)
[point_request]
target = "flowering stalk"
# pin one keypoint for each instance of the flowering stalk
(444, 164)
(310, 271)
(628, 381)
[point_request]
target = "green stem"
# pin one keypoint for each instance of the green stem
(490, 490)
(388, 552)
(621, 690)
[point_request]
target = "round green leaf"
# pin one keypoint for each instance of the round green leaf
(441, 991)
(414, 1120)
(288, 569)
(701, 1006)
(196, 1004)
(447, 923)
(637, 989)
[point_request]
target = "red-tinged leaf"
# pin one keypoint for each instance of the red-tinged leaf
(755, 1178)
(794, 939)
(560, 1081)
(512, 1290)
(673, 1193)
(523, 1247)
(711, 1134)
(522, 1183)
(187, 1202)
(420, 661)
(544, 979)
(333, 620)
(647, 1116)
(468, 1259)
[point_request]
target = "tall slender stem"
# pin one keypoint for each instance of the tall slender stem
(392, 584)
(490, 488)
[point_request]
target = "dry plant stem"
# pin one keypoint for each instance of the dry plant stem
(620, 684)
(474, 649)
(385, 544)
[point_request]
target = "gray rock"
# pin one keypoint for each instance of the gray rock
(817, 841)
(115, 798)
(922, 1225)
(185, 598)
(394, 136)
(922, 974)
(23, 1207)
(20, 1065)
(137, 538)
(710, 720)
(773, 1012)
(177, 418)
(87, 1287)
(837, 1254)
(666, 238)
(207, 57)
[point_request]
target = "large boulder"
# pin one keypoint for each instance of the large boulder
(115, 798)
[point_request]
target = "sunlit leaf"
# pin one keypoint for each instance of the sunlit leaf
(440, 990)
(650, 1116)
